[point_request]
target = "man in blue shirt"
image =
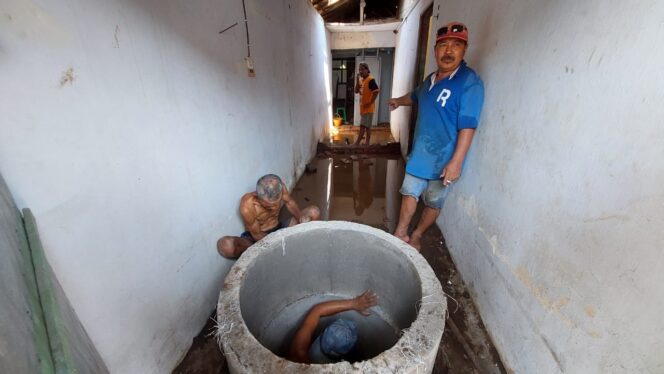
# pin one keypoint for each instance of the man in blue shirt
(449, 105)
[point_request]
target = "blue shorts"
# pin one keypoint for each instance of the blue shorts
(434, 191)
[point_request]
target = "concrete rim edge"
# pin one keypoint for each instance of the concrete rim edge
(426, 330)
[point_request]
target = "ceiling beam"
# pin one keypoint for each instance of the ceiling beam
(336, 6)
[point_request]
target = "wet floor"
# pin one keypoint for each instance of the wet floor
(365, 189)
(354, 188)
(347, 134)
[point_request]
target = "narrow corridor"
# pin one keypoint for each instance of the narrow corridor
(132, 129)
(364, 188)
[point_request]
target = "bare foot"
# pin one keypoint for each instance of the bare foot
(402, 235)
(415, 242)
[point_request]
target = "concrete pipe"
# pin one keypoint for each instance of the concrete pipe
(271, 287)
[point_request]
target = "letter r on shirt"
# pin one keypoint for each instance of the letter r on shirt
(444, 95)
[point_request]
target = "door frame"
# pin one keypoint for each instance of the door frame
(420, 66)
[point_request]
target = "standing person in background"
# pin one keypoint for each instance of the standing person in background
(368, 90)
(450, 102)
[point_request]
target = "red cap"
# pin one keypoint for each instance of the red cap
(452, 30)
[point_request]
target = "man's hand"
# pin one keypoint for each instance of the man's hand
(363, 302)
(393, 104)
(396, 102)
(291, 205)
(451, 172)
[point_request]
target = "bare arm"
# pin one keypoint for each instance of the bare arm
(374, 95)
(357, 84)
(299, 348)
(291, 205)
(248, 213)
(452, 171)
(404, 100)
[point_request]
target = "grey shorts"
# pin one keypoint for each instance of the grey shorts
(366, 119)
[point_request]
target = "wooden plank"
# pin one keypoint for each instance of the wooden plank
(71, 348)
(24, 346)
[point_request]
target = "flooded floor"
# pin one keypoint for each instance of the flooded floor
(356, 188)
(347, 134)
(365, 189)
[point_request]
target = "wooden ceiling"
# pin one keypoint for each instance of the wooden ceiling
(348, 11)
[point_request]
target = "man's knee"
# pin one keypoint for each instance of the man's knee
(313, 212)
(226, 247)
(409, 198)
(435, 196)
(409, 203)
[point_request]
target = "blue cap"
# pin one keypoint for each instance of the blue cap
(339, 338)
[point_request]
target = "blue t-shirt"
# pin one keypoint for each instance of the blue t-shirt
(444, 108)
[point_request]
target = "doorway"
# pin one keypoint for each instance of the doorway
(343, 69)
(344, 76)
(420, 66)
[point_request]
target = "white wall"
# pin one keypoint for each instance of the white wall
(357, 40)
(131, 129)
(556, 223)
(405, 56)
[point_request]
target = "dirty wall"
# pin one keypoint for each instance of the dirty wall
(131, 129)
(556, 222)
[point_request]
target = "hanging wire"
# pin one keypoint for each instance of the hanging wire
(228, 28)
(246, 26)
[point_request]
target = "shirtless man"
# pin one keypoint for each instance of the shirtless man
(260, 213)
(338, 340)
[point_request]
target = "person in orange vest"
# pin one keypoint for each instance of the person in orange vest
(368, 90)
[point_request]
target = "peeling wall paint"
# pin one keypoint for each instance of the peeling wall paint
(67, 77)
(131, 129)
(555, 222)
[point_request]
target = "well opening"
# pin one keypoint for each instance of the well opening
(323, 265)
(271, 288)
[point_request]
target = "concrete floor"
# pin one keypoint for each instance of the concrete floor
(465, 346)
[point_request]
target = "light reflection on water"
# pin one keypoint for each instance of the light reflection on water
(354, 188)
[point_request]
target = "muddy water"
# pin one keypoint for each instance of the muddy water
(355, 188)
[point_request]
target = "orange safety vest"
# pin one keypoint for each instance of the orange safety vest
(365, 97)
